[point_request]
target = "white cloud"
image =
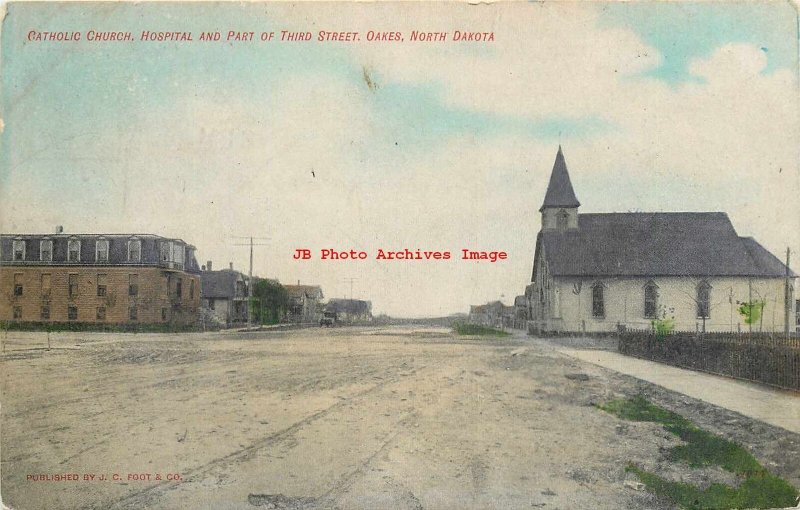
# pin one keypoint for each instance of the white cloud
(742, 60)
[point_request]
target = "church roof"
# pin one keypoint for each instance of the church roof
(764, 258)
(559, 190)
(655, 244)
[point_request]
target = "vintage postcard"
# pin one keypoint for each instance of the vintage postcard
(399, 255)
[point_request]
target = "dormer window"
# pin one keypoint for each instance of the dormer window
(179, 254)
(19, 250)
(134, 250)
(46, 250)
(172, 254)
(74, 250)
(101, 250)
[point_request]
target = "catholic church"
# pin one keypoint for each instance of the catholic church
(615, 271)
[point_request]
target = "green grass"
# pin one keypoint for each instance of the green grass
(475, 329)
(759, 488)
(96, 327)
(705, 449)
(758, 491)
(640, 409)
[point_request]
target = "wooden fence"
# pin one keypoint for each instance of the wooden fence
(755, 357)
(23, 341)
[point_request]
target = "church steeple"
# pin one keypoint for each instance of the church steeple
(560, 207)
(559, 191)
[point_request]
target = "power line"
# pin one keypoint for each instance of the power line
(250, 272)
(351, 280)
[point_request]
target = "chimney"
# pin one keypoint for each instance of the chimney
(59, 229)
(208, 265)
(298, 282)
(202, 268)
(231, 265)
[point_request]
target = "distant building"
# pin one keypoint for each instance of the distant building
(224, 294)
(603, 272)
(494, 314)
(93, 278)
(520, 312)
(304, 303)
(478, 314)
(507, 318)
(350, 310)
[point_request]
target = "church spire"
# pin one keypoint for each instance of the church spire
(559, 191)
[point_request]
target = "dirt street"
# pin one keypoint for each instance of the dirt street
(333, 418)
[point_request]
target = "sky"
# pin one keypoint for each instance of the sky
(392, 145)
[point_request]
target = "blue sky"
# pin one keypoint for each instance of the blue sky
(103, 84)
(683, 31)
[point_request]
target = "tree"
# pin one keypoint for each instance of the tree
(269, 303)
(700, 295)
(663, 324)
(752, 311)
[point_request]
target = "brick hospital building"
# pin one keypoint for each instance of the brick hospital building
(90, 278)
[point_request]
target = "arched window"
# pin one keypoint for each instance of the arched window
(562, 220)
(598, 300)
(19, 249)
(703, 300)
(46, 250)
(74, 250)
(134, 250)
(650, 300)
(101, 250)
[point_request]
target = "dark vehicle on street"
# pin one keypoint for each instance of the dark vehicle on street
(328, 319)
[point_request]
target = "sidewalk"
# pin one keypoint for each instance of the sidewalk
(774, 406)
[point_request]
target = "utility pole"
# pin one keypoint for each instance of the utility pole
(250, 274)
(730, 300)
(351, 280)
(787, 292)
(750, 306)
(250, 286)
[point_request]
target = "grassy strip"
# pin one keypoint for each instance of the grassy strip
(760, 489)
(96, 327)
(475, 329)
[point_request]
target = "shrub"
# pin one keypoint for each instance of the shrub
(463, 328)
